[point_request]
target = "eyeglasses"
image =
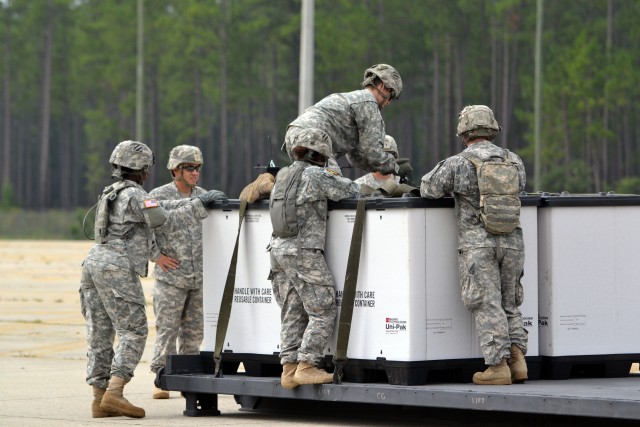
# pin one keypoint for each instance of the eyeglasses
(190, 168)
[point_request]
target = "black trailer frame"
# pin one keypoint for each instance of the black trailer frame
(612, 398)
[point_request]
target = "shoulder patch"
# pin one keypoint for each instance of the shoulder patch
(151, 203)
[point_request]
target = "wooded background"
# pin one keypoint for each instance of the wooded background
(223, 75)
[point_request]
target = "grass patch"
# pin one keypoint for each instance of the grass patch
(52, 224)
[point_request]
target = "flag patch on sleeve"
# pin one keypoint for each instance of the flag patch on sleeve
(151, 204)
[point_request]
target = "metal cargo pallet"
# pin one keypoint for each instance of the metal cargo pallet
(611, 398)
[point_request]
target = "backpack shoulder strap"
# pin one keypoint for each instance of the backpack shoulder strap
(477, 161)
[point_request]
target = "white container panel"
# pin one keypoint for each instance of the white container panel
(588, 260)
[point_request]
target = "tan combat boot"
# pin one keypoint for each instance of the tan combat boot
(113, 400)
(517, 365)
(494, 375)
(309, 374)
(159, 393)
(288, 372)
(96, 411)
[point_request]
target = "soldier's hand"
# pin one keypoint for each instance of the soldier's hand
(167, 263)
(404, 167)
(211, 196)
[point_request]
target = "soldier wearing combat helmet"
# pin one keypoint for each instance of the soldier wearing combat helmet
(490, 250)
(177, 293)
(354, 124)
(302, 283)
(111, 296)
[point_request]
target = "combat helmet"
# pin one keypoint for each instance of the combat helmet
(316, 140)
(184, 154)
(133, 155)
(477, 120)
(388, 75)
(389, 145)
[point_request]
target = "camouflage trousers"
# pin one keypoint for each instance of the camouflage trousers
(491, 290)
(179, 317)
(304, 289)
(112, 303)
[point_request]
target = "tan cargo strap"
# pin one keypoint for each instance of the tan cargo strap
(227, 299)
(392, 189)
(349, 293)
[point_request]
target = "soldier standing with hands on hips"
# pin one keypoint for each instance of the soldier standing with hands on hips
(177, 294)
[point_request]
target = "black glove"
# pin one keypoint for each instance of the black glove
(211, 196)
(404, 169)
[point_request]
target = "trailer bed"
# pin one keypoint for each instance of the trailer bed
(611, 398)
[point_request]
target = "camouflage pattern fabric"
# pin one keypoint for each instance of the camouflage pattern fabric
(372, 182)
(177, 294)
(179, 318)
(304, 290)
(302, 283)
(112, 302)
(491, 290)
(490, 265)
(457, 176)
(316, 187)
(183, 244)
(111, 296)
(353, 122)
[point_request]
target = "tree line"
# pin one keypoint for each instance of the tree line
(223, 75)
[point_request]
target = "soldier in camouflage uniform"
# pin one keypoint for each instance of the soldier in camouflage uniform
(490, 265)
(177, 294)
(353, 123)
(375, 180)
(111, 295)
(302, 283)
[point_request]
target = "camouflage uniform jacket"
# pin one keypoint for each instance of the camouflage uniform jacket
(128, 216)
(353, 122)
(184, 244)
(372, 182)
(317, 185)
(458, 175)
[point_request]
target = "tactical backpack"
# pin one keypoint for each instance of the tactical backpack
(498, 182)
(282, 206)
(108, 195)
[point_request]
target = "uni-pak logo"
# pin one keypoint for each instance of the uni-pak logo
(394, 325)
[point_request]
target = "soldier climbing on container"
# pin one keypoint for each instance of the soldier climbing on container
(111, 296)
(177, 294)
(302, 283)
(485, 181)
(354, 124)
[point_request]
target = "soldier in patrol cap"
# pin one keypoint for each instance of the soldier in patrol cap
(111, 295)
(490, 265)
(354, 123)
(177, 294)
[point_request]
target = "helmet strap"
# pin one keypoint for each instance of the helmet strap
(315, 158)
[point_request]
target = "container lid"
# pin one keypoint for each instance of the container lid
(394, 203)
(596, 199)
(234, 204)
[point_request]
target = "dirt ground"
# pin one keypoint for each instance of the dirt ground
(39, 300)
